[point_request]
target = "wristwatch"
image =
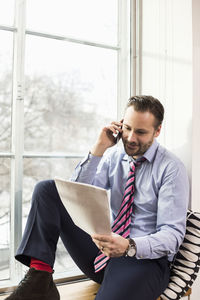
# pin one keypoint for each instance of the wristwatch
(131, 250)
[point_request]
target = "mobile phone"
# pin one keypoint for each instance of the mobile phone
(118, 137)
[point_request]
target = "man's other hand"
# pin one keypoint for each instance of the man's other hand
(113, 245)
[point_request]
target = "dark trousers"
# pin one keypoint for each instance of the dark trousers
(123, 278)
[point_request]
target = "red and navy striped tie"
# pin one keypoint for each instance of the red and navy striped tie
(121, 224)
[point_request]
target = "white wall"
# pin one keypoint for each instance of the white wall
(196, 122)
(167, 69)
(170, 74)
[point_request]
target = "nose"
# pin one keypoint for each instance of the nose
(132, 137)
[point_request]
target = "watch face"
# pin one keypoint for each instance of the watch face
(131, 252)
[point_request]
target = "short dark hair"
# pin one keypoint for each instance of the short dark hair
(145, 103)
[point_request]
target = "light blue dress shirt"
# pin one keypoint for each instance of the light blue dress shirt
(160, 201)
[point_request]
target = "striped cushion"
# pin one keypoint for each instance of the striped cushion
(186, 263)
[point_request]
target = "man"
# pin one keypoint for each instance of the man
(149, 197)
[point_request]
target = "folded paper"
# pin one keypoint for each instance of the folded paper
(87, 205)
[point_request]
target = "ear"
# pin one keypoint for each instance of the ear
(157, 131)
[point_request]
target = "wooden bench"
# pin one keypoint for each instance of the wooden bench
(86, 290)
(82, 290)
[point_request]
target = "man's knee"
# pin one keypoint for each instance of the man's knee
(43, 185)
(43, 189)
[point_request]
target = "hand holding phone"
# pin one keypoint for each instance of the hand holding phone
(115, 131)
(108, 137)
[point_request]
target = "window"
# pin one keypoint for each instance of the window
(5, 142)
(64, 74)
(86, 20)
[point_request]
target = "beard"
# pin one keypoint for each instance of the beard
(136, 149)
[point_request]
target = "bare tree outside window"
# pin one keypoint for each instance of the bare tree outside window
(71, 81)
(56, 118)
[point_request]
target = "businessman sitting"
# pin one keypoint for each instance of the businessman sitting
(148, 197)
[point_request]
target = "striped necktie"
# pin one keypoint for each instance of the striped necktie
(121, 224)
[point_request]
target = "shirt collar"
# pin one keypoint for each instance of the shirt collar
(149, 154)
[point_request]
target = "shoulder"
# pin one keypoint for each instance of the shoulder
(168, 162)
(167, 157)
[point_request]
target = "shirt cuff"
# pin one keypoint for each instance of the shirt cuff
(93, 160)
(86, 169)
(143, 247)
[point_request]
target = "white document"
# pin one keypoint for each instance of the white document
(87, 205)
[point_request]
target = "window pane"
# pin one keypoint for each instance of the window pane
(89, 19)
(5, 89)
(7, 12)
(36, 169)
(71, 92)
(4, 217)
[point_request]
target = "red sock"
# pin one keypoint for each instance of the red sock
(40, 265)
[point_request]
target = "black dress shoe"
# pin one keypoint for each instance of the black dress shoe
(36, 285)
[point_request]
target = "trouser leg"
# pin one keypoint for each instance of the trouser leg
(47, 220)
(133, 279)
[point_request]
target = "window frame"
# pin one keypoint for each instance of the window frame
(127, 85)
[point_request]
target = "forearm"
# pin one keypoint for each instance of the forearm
(98, 150)
(171, 214)
(86, 169)
(165, 242)
(93, 170)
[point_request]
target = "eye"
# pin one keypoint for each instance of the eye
(141, 132)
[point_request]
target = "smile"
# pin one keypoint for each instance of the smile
(131, 146)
